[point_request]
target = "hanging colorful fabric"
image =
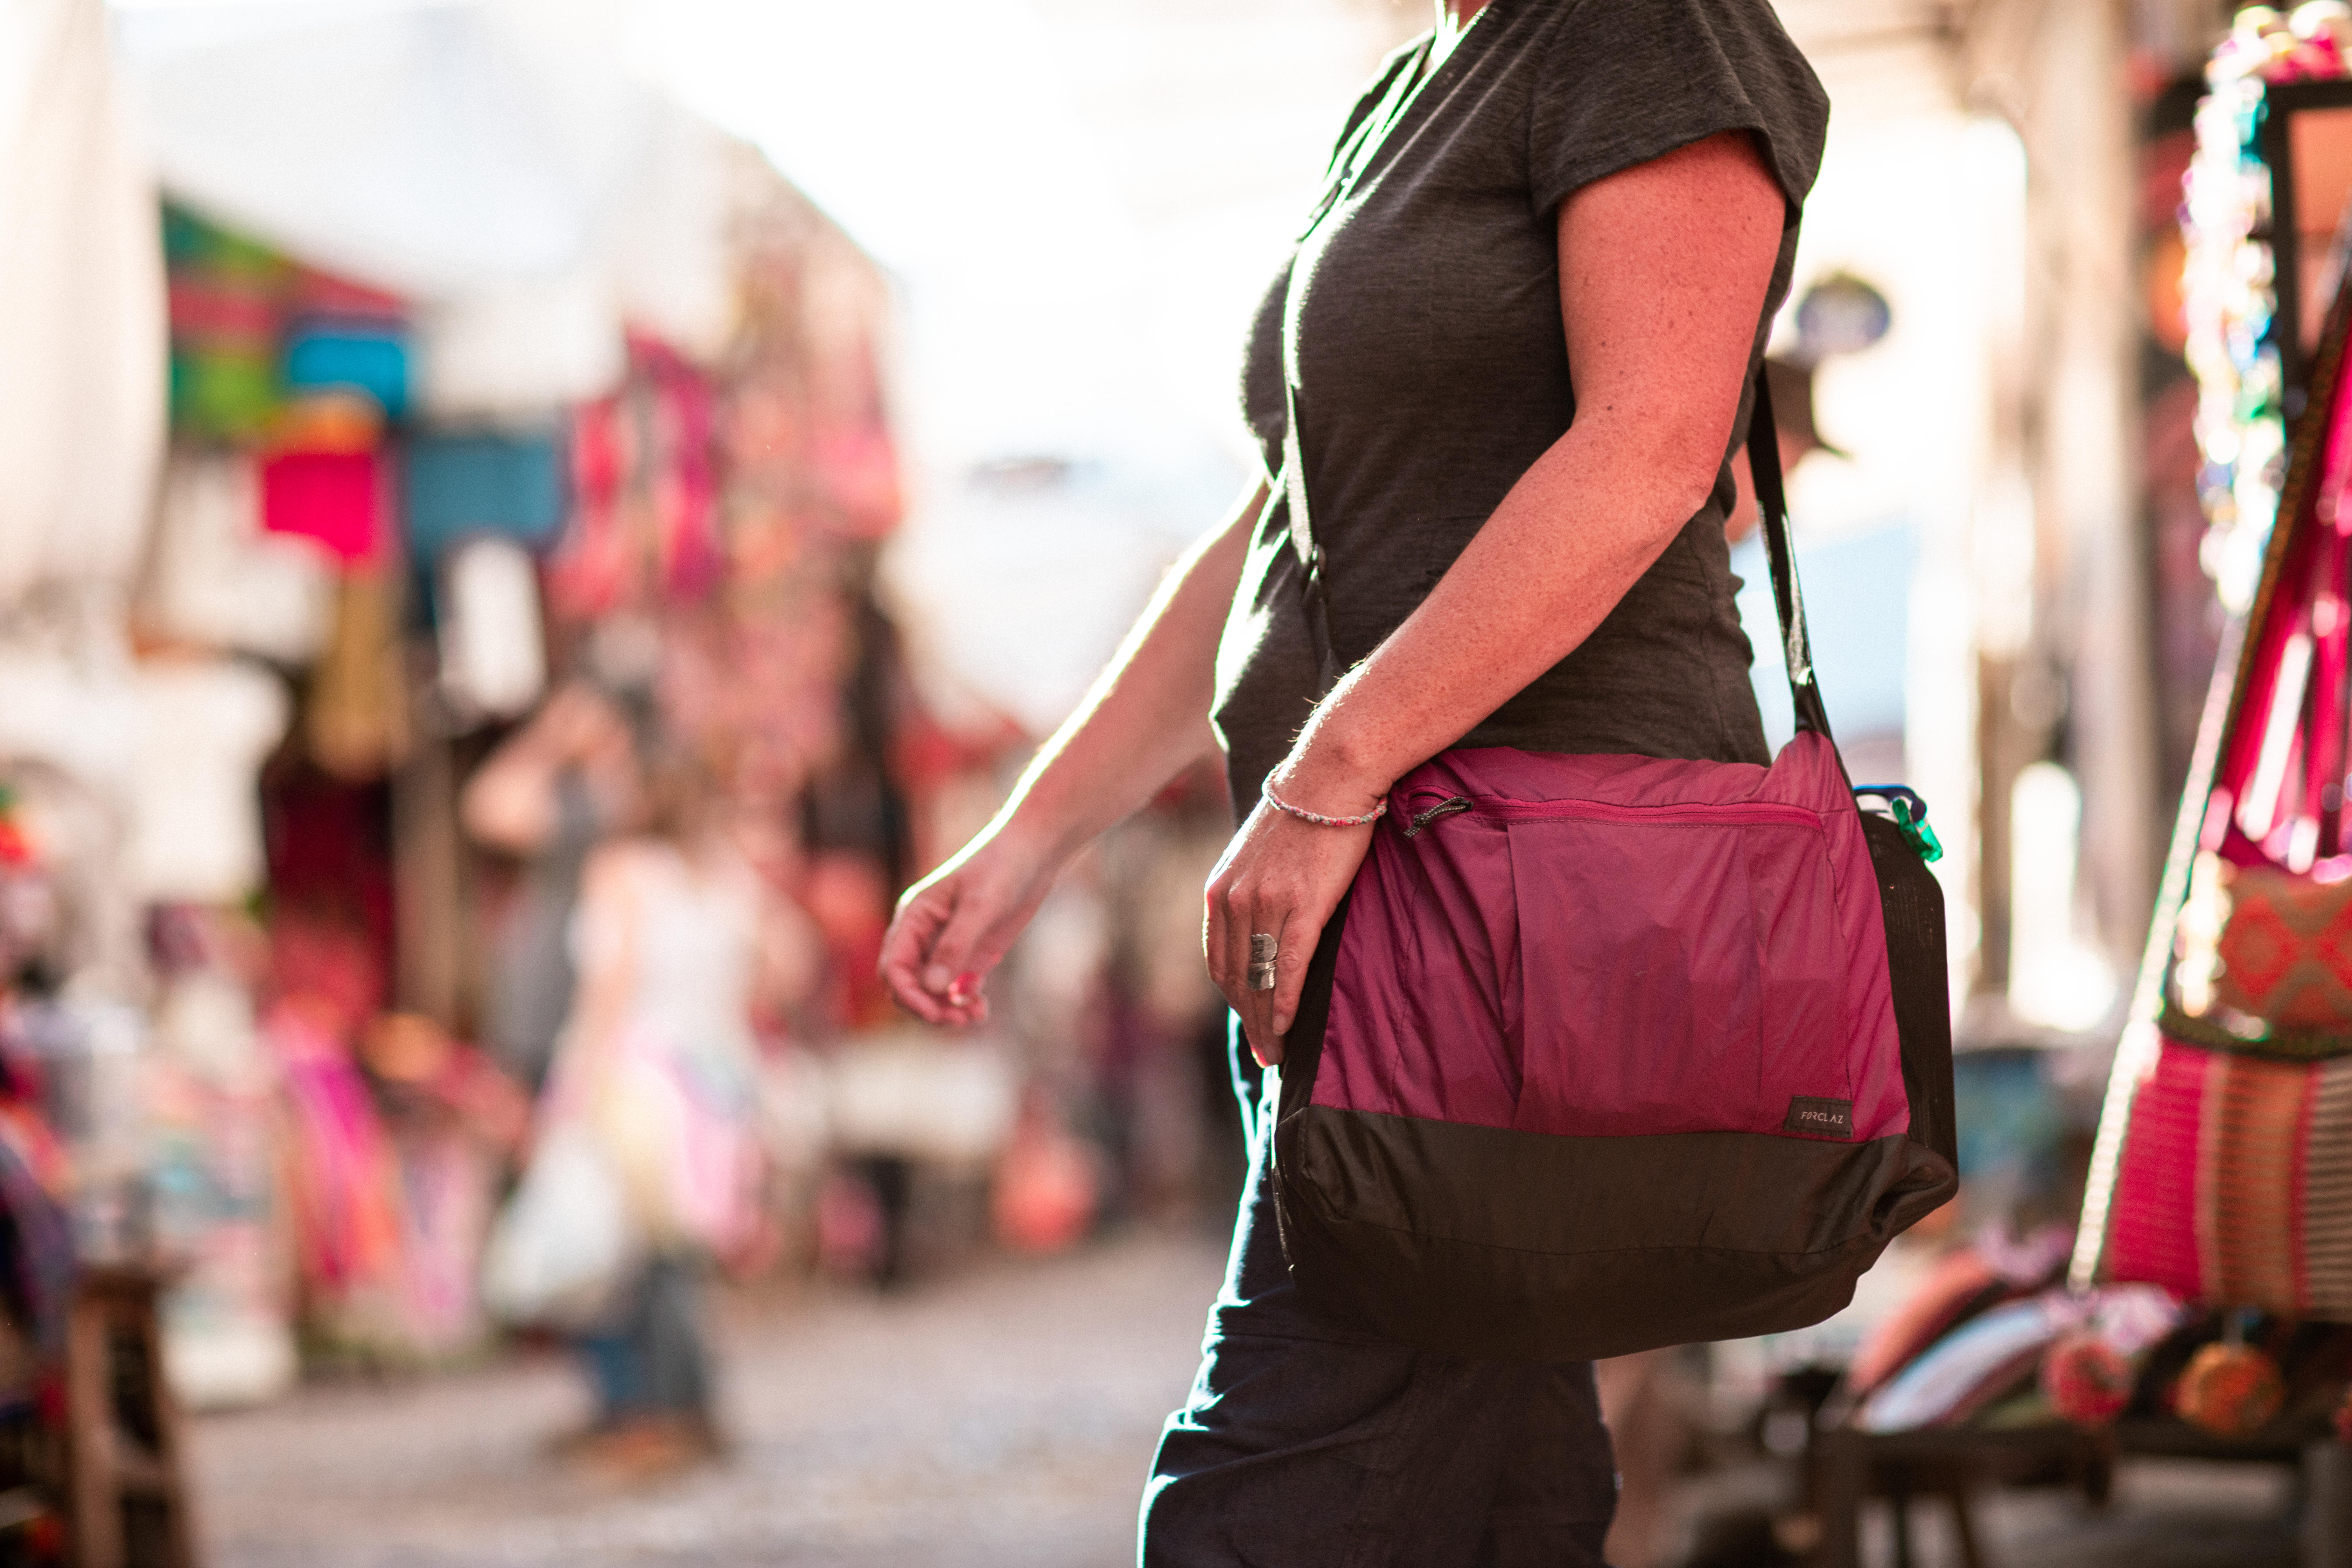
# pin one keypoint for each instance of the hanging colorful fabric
(367, 356)
(462, 485)
(592, 571)
(335, 497)
(2223, 1168)
(226, 309)
(679, 473)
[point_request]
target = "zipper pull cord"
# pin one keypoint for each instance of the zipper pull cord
(1910, 814)
(1446, 807)
(1915, 828)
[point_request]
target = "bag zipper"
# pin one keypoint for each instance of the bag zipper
(1744, 815)
(1446, 807)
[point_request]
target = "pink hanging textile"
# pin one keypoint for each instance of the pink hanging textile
(685, 489)
(2279, 797)
(645, 492)
(348, 1228)
(334, 498)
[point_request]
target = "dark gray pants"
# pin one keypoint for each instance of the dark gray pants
(1306, 1444)
(648, 1357)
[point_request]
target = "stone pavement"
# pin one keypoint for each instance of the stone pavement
(999, 1418)
(1002, 1416)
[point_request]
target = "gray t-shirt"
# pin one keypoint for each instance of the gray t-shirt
(1432, 367)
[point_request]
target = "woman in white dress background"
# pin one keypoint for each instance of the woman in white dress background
(659, 1063)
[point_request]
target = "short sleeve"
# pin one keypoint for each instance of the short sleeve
(1623, 81)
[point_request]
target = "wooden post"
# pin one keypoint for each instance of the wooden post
(1841, 1474)
(2328, 1506)
(126, 1497)
(427, 861)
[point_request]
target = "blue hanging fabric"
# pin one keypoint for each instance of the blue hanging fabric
(459, 486)
(370, 356)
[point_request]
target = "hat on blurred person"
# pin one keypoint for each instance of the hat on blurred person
(1792, 410)
(1841, 314)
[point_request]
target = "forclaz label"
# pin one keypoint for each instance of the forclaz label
(1820, 1117)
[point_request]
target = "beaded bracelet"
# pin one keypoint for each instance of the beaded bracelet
(1316, 817)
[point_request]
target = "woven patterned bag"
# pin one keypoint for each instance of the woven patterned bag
(2283, 946)
(2223, 1168)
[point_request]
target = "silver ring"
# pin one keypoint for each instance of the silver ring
(1263, 948)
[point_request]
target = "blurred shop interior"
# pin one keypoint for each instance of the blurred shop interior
(429, 424)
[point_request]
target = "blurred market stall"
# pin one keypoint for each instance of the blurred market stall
(499, 388)
(501, 375)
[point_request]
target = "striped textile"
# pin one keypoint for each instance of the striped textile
(2327, 1191)
(2236, 1182)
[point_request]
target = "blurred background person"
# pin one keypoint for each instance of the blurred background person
(657, 1062)
(546, 796)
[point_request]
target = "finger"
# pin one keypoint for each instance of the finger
(1269, 915)
(967, 997)
(1237, 919)
(1209, 935)
(905, 949)
(956, 968)
(1212, 935)
(1220, 921)
(1216, 931)
(921, 963)
(1241, 919)
(1300, 934)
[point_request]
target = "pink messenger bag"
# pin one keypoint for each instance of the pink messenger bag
(1604, 1053)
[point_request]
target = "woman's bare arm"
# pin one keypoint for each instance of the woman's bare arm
(510, 803)
(1663, 270)
(1146, 718)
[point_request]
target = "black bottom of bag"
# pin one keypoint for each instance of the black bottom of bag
(1396, 1224)
(1504, 1246)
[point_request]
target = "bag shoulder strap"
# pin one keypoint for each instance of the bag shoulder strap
(1303, 540)
(1780, 550)
(1771, 506)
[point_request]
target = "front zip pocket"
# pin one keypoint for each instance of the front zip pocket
(1663, 968)
(1496, 809)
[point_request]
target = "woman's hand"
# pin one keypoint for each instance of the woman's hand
(1283, 877)
(1145, 721)
(954, 926)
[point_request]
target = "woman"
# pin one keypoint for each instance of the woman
(545, 796)
(657, 1060)
(1610, 187)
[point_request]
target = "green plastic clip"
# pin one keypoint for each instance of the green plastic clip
(1922, 837)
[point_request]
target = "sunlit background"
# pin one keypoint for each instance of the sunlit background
(1006, 251)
